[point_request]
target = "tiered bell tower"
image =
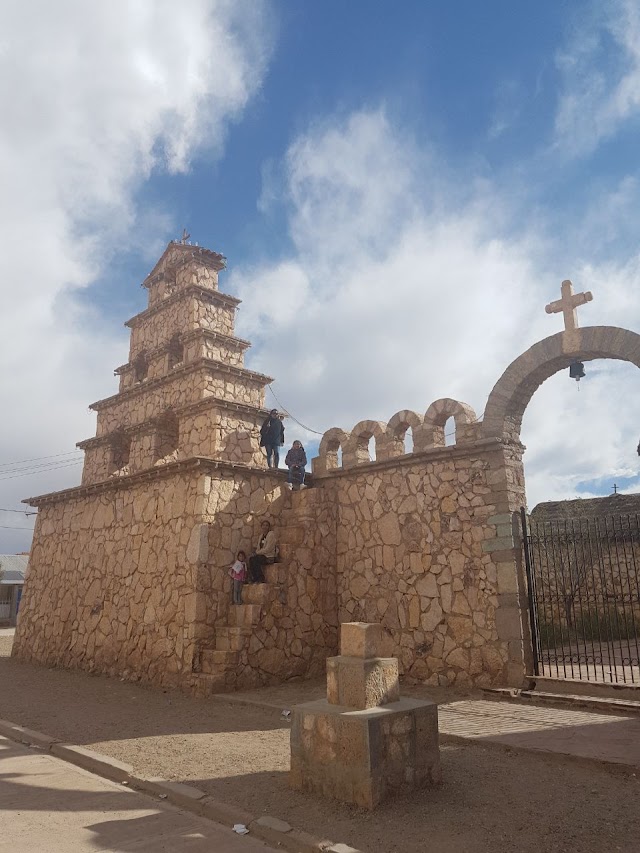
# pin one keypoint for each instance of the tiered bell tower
(184, 392)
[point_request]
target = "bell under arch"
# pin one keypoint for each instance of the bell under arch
(515, 388)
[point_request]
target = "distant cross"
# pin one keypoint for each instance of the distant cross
(615, 489)
(568, 305)
(185, 236)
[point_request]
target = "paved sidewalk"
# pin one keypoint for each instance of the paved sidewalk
(50, 806)
(603, 737)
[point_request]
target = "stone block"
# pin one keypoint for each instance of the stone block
(360, 639)
(357, 683)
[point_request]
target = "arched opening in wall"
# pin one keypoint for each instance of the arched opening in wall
(140, 367)
(450, 432)
(408, 440)
(176, 352)
(167, 437)
(582, 491)
(119, 452)
(338, 458)
(371, 449)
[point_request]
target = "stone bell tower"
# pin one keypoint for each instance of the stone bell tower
(128, 572)
(184, 391)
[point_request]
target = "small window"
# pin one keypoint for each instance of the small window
(167, 436)
(176, 352)
(140, 367)
(120, 452)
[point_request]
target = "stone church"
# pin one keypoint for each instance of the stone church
(127, 574)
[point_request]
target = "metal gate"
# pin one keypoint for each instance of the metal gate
(583, 578)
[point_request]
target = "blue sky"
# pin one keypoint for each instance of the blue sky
(399, 189)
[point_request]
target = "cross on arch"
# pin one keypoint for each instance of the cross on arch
(567, 304)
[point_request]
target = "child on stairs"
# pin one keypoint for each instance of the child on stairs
(238, 574)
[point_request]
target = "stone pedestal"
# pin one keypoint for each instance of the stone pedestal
(363, 740)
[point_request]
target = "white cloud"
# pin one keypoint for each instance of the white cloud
(600, 71)
(406, 284)
(94, 98)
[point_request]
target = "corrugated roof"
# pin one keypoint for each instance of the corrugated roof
(14, 567)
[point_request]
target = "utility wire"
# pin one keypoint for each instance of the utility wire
(29, 473)
(315, 431)
(284, 408)
(40, 458)
(4, 527)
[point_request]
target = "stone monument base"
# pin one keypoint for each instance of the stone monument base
(359, 756)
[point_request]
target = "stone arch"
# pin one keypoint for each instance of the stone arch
(397, 429)
(356, 450)
(332, 441)
(515, 388)
(431, 433)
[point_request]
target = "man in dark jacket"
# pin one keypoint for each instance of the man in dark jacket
(272, 438)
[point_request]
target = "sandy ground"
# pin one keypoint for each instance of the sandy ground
(491, 799)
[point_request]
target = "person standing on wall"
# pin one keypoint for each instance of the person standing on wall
(265, 553)
(272, 438)
(296, 460)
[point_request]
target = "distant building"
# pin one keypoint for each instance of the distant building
(12, 571)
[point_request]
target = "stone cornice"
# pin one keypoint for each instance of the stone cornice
(193, 289)
(453, 451)
(206, 257)
(159, 472)
(228, 340)
(202, 363)
(199, 406)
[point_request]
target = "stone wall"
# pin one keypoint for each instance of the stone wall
(412, 553)
(130, 578)
(204, 310)
(111, 588)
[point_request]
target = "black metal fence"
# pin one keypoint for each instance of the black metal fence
(583, 577)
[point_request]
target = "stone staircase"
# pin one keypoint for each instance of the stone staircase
(219, 658)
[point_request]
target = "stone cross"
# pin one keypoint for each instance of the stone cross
(568, 304)
(615, 488)
(185, 236)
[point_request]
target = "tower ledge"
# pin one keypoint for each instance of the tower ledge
(208, 363)
(193, 289)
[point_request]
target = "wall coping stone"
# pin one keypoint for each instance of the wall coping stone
(206, 363)
(199, 405)
(453, 451)
(156, 473)
(204, 292)
(230, 340)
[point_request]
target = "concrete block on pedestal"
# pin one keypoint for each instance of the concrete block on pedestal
(360, 756)
(363, 741)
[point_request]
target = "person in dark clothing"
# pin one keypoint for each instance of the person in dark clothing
(296, 460)
(272, 438)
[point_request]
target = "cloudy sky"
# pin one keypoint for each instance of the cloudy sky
(399, 187)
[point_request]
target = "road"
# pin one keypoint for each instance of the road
(49, 806)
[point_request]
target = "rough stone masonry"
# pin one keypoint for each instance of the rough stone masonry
(363, 741)
(126, 574)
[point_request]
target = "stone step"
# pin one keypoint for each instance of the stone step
(254, 593)
(232, 639)
(203, 684)
(213, 661)
(244, 615)
(276, 573)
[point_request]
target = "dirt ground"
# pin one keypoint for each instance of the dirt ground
(490, 800)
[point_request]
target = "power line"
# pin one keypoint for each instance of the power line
(39, 458)
(21, 511)
(4, 527)
(284, 408)
(315, 431)
(29, 473)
